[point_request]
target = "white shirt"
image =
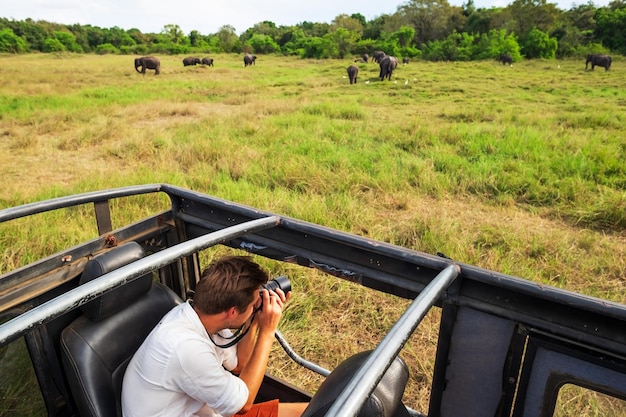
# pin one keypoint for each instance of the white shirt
(178, 371)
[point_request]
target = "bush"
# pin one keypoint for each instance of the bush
(53, 45)
(106, 48)
(10, 42)
(539, 45)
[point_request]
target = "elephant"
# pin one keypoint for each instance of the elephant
(249, 60)
(377, 56)
(405, 60)
(353, 71)
(365, 57)
(360, 61)
(207, 61)
(600, 60)
(191, 60)
(148, 62)
(505, 59)
(387, 65)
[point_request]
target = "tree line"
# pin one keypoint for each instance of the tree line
(421, 29)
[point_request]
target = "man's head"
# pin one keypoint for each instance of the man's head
(231, 281)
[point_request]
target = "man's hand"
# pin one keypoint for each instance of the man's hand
(272, 309)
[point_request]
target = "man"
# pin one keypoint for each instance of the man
(192, 364)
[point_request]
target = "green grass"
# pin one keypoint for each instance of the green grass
(517, 169)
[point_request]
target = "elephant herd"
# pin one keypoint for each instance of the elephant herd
(191, 60)
(153, 63)
(387, 64)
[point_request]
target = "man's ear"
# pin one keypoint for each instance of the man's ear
(232, 312)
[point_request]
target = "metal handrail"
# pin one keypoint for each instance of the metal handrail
(49, 310)
(24, 210)
(297, 358)
(364, 381)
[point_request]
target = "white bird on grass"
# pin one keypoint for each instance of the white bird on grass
(406, 82)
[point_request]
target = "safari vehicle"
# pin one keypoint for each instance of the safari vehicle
(506, 346)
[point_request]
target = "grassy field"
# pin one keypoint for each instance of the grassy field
(517, 169)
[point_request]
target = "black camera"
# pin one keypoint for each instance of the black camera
(281, 282)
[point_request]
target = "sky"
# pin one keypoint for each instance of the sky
(208, 16)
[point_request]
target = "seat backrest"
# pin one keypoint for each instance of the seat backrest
(385, 401)
(97, 347)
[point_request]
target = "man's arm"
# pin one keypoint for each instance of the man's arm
(245, 347)
(254, 370)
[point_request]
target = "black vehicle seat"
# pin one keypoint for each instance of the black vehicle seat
(97, 347)
(385, 401)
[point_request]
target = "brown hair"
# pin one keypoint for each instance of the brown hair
(230, 281)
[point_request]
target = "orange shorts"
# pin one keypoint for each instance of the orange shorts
(266, 409)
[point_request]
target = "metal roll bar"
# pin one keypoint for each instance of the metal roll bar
(49, 310)
(363, 383)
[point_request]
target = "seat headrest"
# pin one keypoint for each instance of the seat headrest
(118, 298)
(385, 401)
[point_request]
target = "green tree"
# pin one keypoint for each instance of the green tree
(468, 7)
(530, 14)
(294, 42)
(34, 33)
(539, 45)
(373, 29)
(266, 28)
(263, 44)
(431, 19)
(491, 45)
(319, 48)
(194, 38)
(314, 29)
(400, 43)
(117, 37)
(456, 47)
(611, 26)
(228, 39)
(173, 33)
(140, 38)
(106, 48)
(582, 17)
(68, 40)
(347, 22)
(10, 42)
(80, 34)
(360, 18)
(53, 45)
(479, 21)
(344, 40)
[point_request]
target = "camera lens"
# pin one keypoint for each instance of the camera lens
(281, 282)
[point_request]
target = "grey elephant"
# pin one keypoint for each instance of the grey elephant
(191, 60)
(148, 62)
(249, 60)
(207, 61)
(377, 56)
(387, 65)
(405, 60)
(365, 57)
(505, 59)
(353, 71)
(600, 60)
(360, 61)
